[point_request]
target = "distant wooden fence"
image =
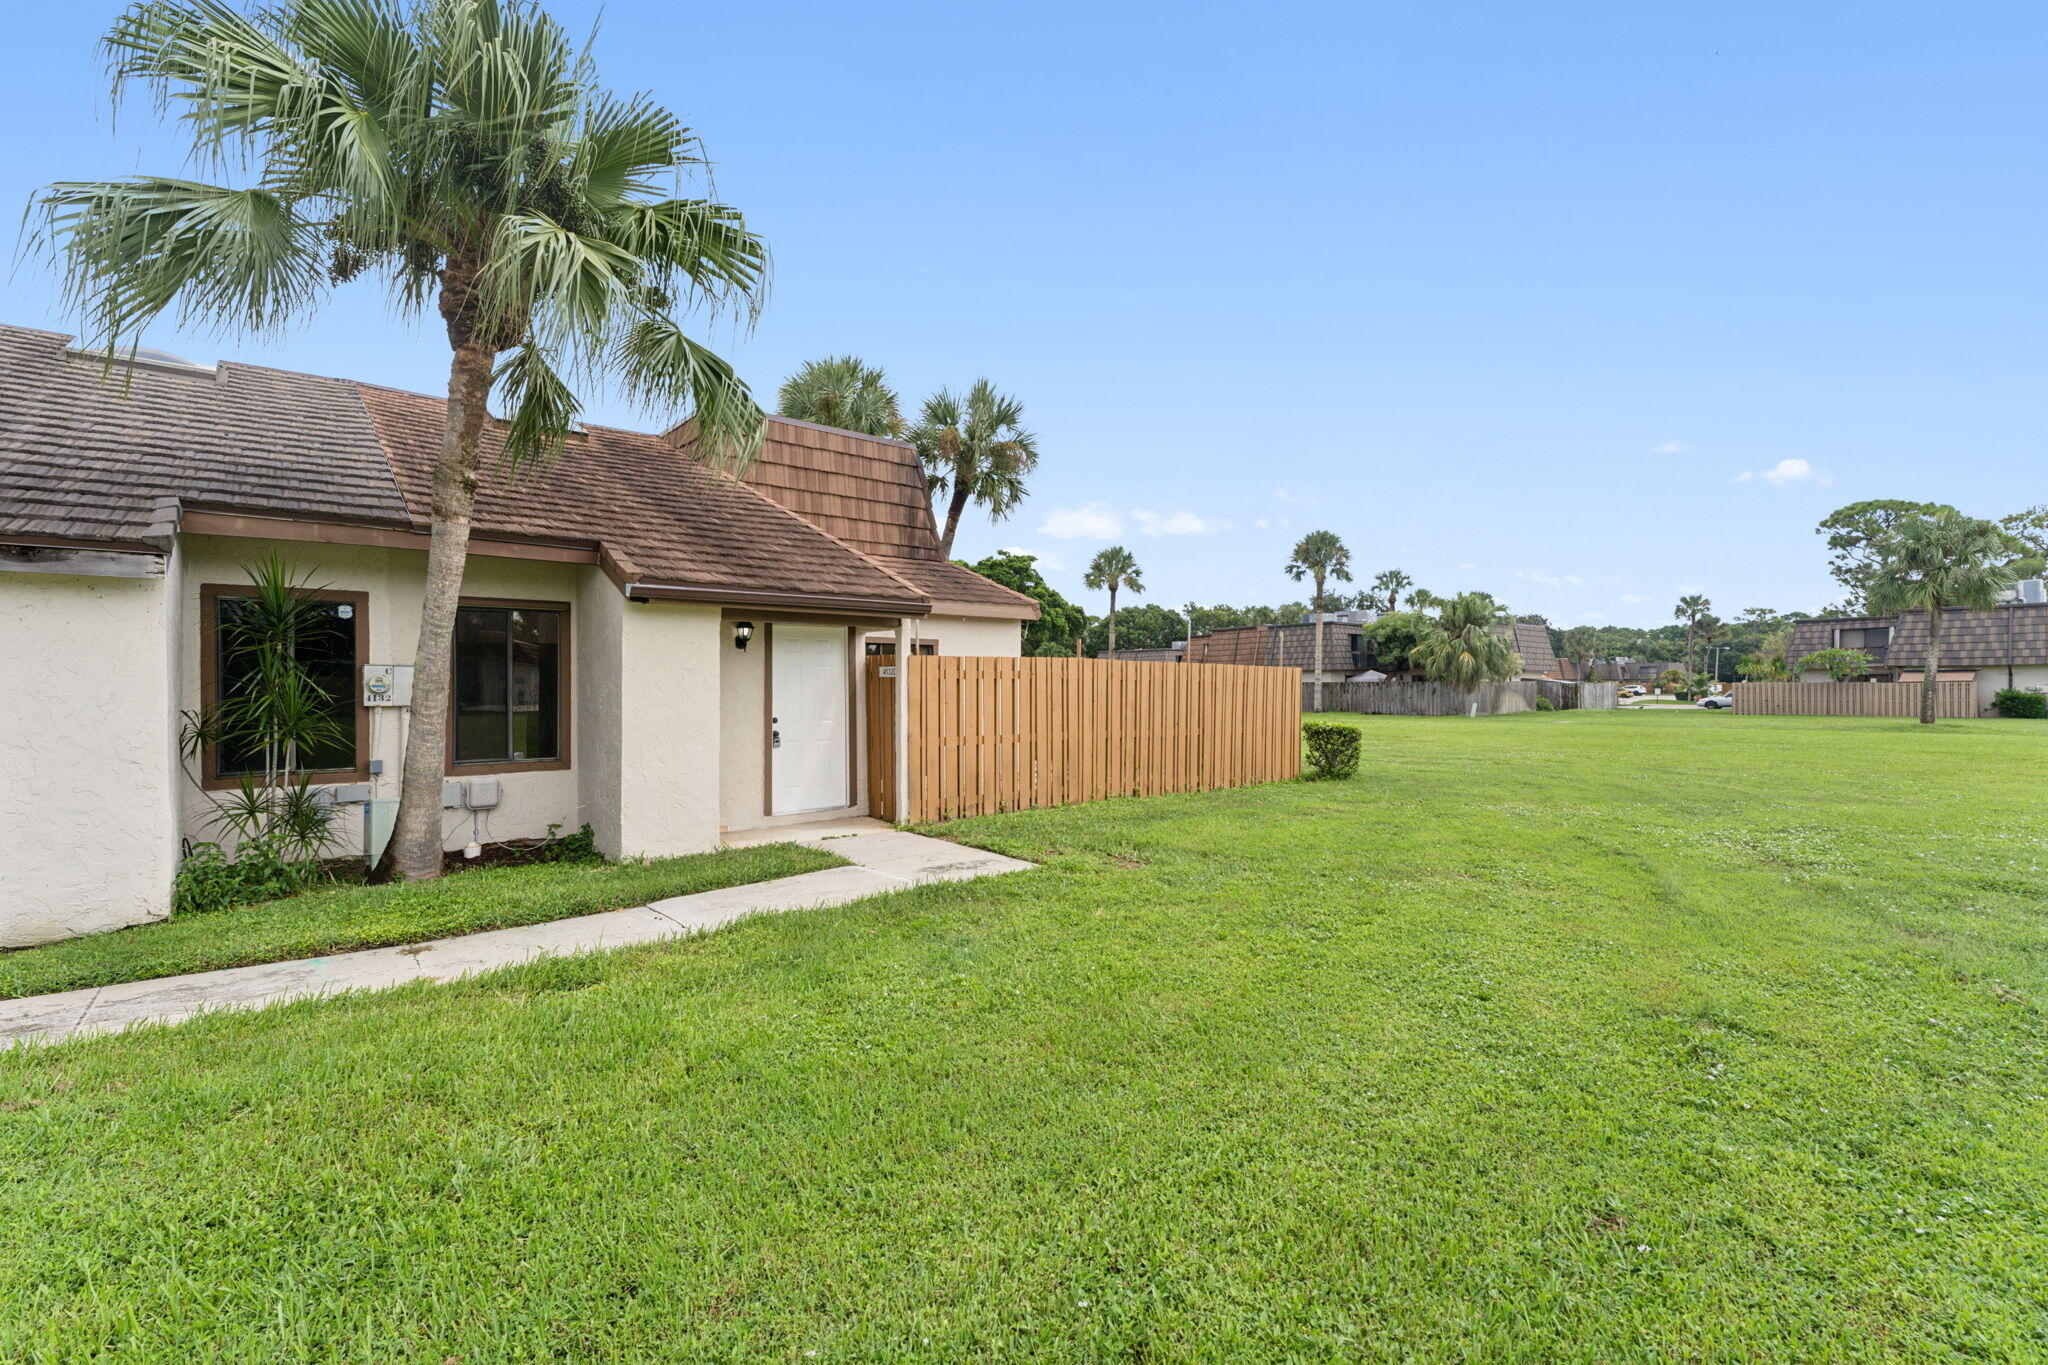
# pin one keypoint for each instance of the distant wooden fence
(1952, 700)
(988, 735)
(1440, 699)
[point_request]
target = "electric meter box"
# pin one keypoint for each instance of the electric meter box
(387, 684)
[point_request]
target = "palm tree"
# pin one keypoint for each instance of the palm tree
(461, 153)
(974, 452)
(841, 391)
(1467, 644)
(1690, 609)
(1711, 630)
(1110, 570)
(1582, 647)
(1320, 556)
(1388, 587)
(1933, 561)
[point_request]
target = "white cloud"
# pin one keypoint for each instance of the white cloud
(1174, 523)
(1548, 580)
(1670, 448)
(1045, 559)
(1793, 470)
(1268, 523)
(1090, 521)
(1633, 600)
(1287, 499)
(1596, 616)
(1468, 566)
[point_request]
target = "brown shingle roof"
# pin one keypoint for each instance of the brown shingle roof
(1532, 642)
(867, 491)
(944, 581)
(90, 455)
(1975, 639)
(663, 517)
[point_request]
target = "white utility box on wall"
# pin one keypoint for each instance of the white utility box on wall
(387, 684)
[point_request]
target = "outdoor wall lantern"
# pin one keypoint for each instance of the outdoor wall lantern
(742, 631)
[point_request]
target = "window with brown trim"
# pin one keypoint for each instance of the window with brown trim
(887, 648)
(511, 687)
(332, 654)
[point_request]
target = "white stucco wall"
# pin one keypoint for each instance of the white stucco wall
(1992, 681)
(668, 784)
(975, 635)
(395, 581)
(88, 840)
(743, 718)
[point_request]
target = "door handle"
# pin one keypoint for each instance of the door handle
(775, 739)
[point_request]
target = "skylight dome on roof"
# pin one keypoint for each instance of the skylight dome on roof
(143, 355)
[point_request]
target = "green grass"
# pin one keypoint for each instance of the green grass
(1558, 1037)
(346, 918)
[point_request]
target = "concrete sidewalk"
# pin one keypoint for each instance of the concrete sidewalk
(883, 860)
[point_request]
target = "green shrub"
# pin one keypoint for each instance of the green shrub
(2014, 704)
(260, 870)
(1332, 748)
(580, 847)
(1544, 703)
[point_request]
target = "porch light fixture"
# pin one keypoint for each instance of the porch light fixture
(742, 631)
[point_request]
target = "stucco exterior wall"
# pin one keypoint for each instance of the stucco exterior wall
(971, 635)
(743, 720)
(395, 581)
(1992, 681)
(668, 789)
(88, 838)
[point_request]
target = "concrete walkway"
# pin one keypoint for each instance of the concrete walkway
(883, 860)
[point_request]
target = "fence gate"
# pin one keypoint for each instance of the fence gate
(989, 734)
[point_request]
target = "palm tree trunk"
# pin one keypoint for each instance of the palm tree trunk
(1319, 642)
(955, 505)
(1933, 664)
(414, 853)
(1112, 619)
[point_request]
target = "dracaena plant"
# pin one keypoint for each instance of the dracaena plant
(274, 719)
(460, 155)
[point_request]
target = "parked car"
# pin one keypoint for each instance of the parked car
(1634, 690)
(1717, 701)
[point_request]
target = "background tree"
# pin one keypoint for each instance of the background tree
(1937, 560)
(1390, 640)
(1767, 662)
(1854, 534)
(461, 154)
(1466, 644)
(1710, 630)
(2030, 528)
(1841, 665)
(1319, 556)
(1673, 680)
(1142, 626)
(1581, 644)
(1113, 569)
(842, 391)
(1387, 587)
(974, 450)
(1690, 609)
(1060, 623)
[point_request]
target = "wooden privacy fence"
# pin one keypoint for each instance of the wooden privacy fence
(988, 735)
(1952, 700)
(1440, 699)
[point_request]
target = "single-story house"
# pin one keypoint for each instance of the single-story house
(2003, 647)
(1532, 642)
(644, 645)
(1291, 646)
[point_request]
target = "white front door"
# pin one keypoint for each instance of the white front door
(809, 720)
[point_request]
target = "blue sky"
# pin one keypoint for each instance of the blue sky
(1583, 304)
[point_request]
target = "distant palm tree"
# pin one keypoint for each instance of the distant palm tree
(1110, 570)
(1582, 647)
(1690, 609)
(1711, 630)
(1467, 644)
(974, 451)
(842, 391)
(1388, 586)
(1934, 561)
(462, 155)
(1320, 556)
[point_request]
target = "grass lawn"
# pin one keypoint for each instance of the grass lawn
(345, 918)
(1556, 1037)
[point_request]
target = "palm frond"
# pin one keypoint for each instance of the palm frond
(130, 250)
(663, 368)
(543, 408)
